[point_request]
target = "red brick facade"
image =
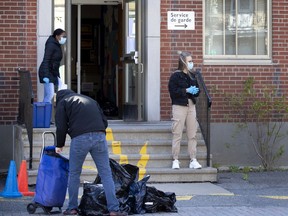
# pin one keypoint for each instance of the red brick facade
(17, 50)
(224, 78)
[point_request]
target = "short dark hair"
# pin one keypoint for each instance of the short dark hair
(57, 32)
(182, 60)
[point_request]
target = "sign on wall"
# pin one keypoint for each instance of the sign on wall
(181, 20)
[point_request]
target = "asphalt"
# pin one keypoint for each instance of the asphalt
(252, 194)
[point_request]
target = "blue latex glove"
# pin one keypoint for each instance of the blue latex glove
(193, 90)
(196, 90)
(46, 80)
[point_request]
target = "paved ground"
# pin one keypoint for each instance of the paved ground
(258, 194)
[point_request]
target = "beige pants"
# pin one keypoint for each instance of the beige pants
(184, 115)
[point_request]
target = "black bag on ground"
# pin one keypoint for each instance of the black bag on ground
(137, 194)
(121, 177)
(158, 201)
(93, 201)
(134, 196)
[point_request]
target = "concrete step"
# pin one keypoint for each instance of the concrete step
(207, 174)
(146, 145)
(125, 146)
(147, 160)
(138, 132)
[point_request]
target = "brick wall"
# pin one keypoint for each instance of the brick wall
(17, 50)
(223, 78)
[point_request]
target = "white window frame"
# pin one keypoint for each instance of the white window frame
(241, 59)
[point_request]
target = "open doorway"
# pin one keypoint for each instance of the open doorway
(100, 47)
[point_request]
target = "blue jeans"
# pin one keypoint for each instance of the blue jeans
(48, 92)
(96, 144)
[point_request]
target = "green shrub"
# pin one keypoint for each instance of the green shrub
(262, 113)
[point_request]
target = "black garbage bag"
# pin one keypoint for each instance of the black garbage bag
(93, 201)
(121, 177)
(134, 196)
(132, 170)
(137, 194)
(158, 201)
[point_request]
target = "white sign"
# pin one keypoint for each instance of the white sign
(181, 20)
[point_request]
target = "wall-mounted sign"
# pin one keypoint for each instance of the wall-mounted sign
(181, 20)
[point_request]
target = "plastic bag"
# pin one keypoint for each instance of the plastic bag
(137, 194)
(122, 179)
(134, 196)
(93, 201)
(158, 201)
(132, 170)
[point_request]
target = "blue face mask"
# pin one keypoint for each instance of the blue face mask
(62, 41)
(190, 66)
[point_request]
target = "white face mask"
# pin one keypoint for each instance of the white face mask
(62, 40)
(190, 66)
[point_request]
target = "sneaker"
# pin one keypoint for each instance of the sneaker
(194, 164)
(117, 214)
(70, 212)
(175, 164)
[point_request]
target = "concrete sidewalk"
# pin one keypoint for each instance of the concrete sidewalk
(262, 194)
(183, 191)
(191, 189)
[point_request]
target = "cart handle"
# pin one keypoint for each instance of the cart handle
(43, 139)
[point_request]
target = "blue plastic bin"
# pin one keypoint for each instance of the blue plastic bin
(42, 114)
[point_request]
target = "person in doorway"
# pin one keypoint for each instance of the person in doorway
(183, 90)
(49, 69)
(82, 118)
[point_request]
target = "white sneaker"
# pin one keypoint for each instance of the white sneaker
(175, 164)
(194, 164)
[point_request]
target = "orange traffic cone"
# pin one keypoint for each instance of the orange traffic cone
(11, 187)
(23, 180)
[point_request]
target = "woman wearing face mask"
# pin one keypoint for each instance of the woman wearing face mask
(183, 89)
(49, 69)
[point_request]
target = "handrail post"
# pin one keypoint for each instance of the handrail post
(203, 105)
(208, 136)
(25, 115)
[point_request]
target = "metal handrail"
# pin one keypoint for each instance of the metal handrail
(203, 108)
(25, 109)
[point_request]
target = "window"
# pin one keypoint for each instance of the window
(59, 22)
(59, 14)
(237, 29)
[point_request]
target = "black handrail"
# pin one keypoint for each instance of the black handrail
(203, 107)
(25, 109)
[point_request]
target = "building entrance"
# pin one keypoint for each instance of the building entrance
(106, 56)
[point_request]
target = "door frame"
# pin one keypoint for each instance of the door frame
(133, 63)
(68, 8)
(140, 31)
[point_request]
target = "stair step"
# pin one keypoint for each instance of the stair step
(127, 147)
(207, 174)
(144, 132)
(182, 175)
(152, 160)
(144, 144)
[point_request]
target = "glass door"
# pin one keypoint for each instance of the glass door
(133, 61)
